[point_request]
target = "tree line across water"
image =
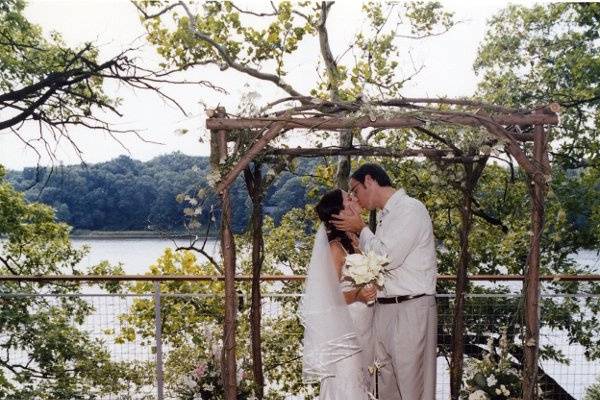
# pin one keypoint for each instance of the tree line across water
(130, 195)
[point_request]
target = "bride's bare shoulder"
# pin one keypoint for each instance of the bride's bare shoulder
(337, 251)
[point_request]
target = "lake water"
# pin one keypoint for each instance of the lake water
(138, 254)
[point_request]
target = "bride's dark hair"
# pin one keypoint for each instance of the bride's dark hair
(331, 203)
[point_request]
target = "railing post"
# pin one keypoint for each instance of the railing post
(158, 341)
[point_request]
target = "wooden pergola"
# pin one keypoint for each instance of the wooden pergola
(511, 129)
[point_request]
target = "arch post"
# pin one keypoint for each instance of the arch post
(531, 340)
(228, 357)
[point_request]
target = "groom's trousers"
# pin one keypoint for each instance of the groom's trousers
(406, 345)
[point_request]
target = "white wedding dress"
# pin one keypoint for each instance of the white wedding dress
(338, 346)
(352, 380)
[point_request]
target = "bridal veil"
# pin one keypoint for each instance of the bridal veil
(329, 334)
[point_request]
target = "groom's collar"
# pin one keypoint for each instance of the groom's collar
(392, 201)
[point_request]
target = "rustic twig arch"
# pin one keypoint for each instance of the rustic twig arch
(513, 128)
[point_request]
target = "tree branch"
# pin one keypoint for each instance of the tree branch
(230, 61)
(330, 64)
(155, 15)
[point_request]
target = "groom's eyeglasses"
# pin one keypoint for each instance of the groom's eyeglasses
(352, 190)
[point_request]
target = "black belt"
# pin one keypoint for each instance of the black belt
(398, 299)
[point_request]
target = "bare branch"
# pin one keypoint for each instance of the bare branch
(192, 247)
(428, 35)
(439, 139)
(155, 15)
(28, 111)
(272, 14)
(283, 100)
(443, 155)
(488, 218)
(409, 102)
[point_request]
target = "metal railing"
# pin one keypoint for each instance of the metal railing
(164, 341)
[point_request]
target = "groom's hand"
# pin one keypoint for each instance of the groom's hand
(349, 220)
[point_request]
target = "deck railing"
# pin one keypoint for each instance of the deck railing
(164, 331)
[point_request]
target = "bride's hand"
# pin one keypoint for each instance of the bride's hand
(367, 293)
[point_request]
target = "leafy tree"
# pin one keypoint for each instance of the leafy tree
(257, 43)
(56, 86)
(548, 53)
(125, 194)
(47, 355)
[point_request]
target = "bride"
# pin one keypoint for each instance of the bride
(338, 345)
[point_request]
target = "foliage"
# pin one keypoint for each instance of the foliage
(593, 392)
(255, 42)
(192, 330)
(126, 194)
(548, 53)
(47, 354)
(44, 81)
(27, 58)
(536, 55)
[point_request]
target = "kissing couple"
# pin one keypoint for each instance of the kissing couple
(368, 340)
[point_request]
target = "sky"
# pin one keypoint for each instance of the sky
(114, 25)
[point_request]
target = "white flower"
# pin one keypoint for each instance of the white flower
(213, 177)
(239, 375)
(208, 386)
(478, 395)
(505, 391)
(498, 391)
(365, 268)
(216, 349)
(491, 380)
(490, 344)
(189, 382)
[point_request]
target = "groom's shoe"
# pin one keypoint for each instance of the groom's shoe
(398, 299)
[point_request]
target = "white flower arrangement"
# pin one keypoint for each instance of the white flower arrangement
(203, 380)
(363, 269)
(493, 377)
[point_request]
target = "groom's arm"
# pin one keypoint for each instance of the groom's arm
(398, 234)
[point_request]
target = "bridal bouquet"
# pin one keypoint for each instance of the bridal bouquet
(363, 269)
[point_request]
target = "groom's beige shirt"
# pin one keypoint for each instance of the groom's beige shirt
(405, 235)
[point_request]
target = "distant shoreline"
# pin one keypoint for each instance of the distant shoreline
(82, 234)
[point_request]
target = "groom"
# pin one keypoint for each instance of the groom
(405, 324)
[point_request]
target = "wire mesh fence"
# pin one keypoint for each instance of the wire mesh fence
(125, 347)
